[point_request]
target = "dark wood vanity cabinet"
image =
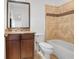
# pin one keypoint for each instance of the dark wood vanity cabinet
(20, 46)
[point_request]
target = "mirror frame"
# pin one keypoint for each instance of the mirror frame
(28, 15)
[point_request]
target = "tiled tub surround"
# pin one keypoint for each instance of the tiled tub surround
(59, 23)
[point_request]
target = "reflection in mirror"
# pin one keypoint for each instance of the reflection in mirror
(18, 15)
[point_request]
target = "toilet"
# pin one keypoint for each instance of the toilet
(46, 49)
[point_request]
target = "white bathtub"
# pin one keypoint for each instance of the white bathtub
(63, 50)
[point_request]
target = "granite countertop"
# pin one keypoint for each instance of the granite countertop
(17, 31)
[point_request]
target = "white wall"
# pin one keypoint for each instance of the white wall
(38, 18)
(5, 12)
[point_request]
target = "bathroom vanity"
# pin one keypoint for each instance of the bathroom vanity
(19, 45)
(19, 39)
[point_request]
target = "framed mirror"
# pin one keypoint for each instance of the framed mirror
(18, 14)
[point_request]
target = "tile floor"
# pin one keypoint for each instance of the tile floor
(37, 56)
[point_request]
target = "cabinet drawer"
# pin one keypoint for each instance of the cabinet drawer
(13, 37)
(27, 36)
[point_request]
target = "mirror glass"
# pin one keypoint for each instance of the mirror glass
(18, 15)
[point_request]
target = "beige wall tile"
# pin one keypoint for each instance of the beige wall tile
(60, 27)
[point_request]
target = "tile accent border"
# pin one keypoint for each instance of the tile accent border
(62, 14)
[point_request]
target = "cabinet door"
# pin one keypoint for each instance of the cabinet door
(27, 49)
(12, 49)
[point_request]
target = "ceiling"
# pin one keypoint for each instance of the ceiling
(50, 2)
(57, 2)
